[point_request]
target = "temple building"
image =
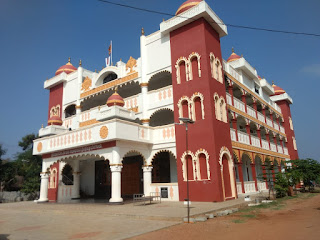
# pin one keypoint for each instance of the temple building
(116, 132)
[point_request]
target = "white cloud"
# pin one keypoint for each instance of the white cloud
(313, 69)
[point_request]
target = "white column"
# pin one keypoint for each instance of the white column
(76, 180)
(116, 184)
(44, 187)
(147, 179)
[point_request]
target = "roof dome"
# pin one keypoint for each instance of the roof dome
(233, 56)
(277, 90)
(115, 100)
(187, 5)
(68, 68)
(55, 120)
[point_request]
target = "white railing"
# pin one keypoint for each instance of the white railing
(243, 138)
(69, 122)
(255, 141)
(282, 129)
(233, 134)
(265, 144)
(262, 186)
(239, 187)
(273, 147)
(261, 117)
(164, 133)
(229, 99)
(276, 126)
(249, 187)
(280, 149)
(131, 102)
(239, 105)
(269, 122)
(285, 151)
(251, 112)
(277, 108)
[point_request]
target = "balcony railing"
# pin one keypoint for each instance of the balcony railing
(249, 187)
(233, 134)
(265, 144)
(251, 112)
(269, 122)
(285, 151)
(229, 99)
(276, 126)
(273, 147)
(239, 104)
(261, 117)
(239, 187)
(262, 186)
(282, 129)
(280, 149)
(243, 138)
(255, 141)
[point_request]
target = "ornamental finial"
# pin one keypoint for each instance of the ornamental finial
(232, 50)
(80, 63)
(272, 82)
(69, 60)
(142, 31)
(116, 89)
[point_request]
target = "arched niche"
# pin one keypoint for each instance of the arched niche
(160, 80)
(162, 117)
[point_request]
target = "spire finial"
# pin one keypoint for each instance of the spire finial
(69, 60)
(232, 50)
(142, 31)
(80, 63)
(116, 89)
(272, 82)
(95, 70)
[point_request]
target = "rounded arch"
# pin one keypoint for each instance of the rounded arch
(104, 73)
(195, 110)
(182, 60)
(67, 174)
(227, 173)
(161, 151)
(134, 153)
(236, 156)
(246, 160)
(160, 80)
(223, 109)
(192, 56)
(247, 154)
(203, 166)
(191, 166)
(70, 110)
(184, 104)
(162, 117)
(164, 167)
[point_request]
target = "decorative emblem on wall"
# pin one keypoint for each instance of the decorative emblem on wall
(104, 131)
(86, 84)
(130, 64)
(55, 111)
(39, 147)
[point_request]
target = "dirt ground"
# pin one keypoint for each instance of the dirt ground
(296, 218)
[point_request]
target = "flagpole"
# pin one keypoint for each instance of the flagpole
(111, 53)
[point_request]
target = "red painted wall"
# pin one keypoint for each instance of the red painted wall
(209, 133)
(53, 192)
(55, 98)
(285, 108)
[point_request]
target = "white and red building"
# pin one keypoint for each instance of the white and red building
(112, 133)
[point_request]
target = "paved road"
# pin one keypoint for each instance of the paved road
(29, 220)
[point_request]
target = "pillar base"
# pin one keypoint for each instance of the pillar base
(116, 201)
(42, 200)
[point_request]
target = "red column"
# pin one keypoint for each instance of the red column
(235, 127)
(254, 175)
(264, 172)
(259, 136)
(244, 100)
(248, 132)
(241, 176)
(230, 90)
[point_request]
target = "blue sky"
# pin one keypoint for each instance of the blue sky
(38, 36)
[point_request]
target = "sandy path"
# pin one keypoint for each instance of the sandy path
(298, 219)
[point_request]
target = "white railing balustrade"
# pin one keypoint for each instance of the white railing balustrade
(273, 147)
(276, 126)
(243, 137)
(261, 117)
(239, 105)
(249, 187)
(239, 187)
(285, 151)
(280, 149)
(229, 99)
(255, 141)
(265, 144)
(261, 186)
(269, 122)
(282, 129)
(251, 112)
(233, 134)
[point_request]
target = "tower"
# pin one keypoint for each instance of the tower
(199, 94)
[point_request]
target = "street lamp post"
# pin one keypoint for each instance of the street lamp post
(187, 121)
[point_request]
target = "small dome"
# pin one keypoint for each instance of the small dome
(187, 5)
(233, 56)
(277, 90)
(68, 68)
(55, 120)
(115, 99)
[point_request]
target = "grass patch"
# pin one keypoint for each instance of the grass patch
(238, 221)
(248, 216)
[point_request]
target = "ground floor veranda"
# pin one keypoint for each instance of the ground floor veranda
(118, 172)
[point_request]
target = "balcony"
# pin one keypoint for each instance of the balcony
(239, 105)
(243, 138)
(160, 97)
(261, 117)
(251, 111)
(269, 122)
(255, 141)
(265, 144)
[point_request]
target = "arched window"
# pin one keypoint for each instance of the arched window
(110, 77)
(182, 70)
(194, 65)
(67, 175)
(218, 71)
(204, 170)
(197, 109)
(53, 178)
(290, 123)
(294, 143)
(185, 109)
(212, 65)
(217, 106)
(223, 110)
(190, 169)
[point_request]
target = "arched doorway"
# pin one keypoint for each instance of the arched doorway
(227, 174)
(226, 177)
(132, 174)
(246, 168)
(102, 186)
(164, 168)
